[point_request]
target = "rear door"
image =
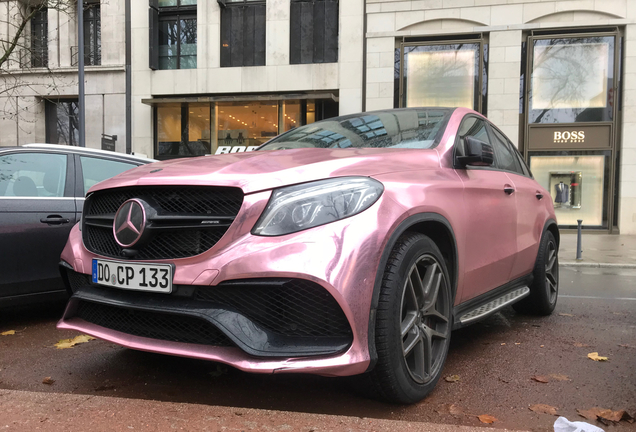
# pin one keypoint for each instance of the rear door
(530, 216)
(491, 219)
(37, 211)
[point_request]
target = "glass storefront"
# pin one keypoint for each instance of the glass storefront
(196, 129)
(570, 113)
(443, 74)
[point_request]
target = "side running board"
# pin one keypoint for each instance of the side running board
(491, 307)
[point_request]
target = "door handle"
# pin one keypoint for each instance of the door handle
(539, 195)
(54, 220)
(508, 189)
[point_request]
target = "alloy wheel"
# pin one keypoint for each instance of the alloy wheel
(552, 272)
(425, 316)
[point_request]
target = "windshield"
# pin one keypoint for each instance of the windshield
(407, 128)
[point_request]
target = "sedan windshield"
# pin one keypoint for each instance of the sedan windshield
(407, 128)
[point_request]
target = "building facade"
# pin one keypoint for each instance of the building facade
(558, 77)
(213, 77)
(39, 94)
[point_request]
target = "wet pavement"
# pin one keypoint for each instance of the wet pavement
(495, 361)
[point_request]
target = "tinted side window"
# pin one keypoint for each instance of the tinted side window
(506, 158)
(33, 175)
(95, 170)
(471, 126)
(524, 167)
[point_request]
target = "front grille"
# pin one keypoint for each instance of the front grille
(155, 325)
(190, 220)
(217, 201)
(165, 244)
(287, 307)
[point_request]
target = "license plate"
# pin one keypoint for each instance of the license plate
(133, 276)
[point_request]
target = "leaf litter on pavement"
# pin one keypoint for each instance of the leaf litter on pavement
(70, 343)
(552, 377)
(543, 409)
(594, 356)
(485, 418)
(606, 416)
(8, 333)
(452, 378)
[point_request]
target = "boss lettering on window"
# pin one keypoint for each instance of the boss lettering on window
(234, 149)
(569, 136)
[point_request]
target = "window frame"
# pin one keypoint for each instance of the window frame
(40, 43)
(93, 55)
(480, 39)
(179, 13)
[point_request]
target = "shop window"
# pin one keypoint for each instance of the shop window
(578, 184)
(430, 74)
(184, 130)
(92, 34)
(313, 31)
(242, 33)
(62, 122)
(571, 79)
(173, 34)
(40, 39)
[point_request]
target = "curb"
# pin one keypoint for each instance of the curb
(596, 265)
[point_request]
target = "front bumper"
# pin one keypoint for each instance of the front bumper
(341, 258)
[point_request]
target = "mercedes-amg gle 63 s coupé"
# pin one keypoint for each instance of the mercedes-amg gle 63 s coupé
(349, 246)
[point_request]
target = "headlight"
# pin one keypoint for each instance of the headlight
(308, 205)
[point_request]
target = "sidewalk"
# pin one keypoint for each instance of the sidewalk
(599, 250)
(53, 412)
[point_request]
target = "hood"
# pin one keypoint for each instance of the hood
(263, 170)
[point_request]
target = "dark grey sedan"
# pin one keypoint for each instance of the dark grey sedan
(42, 190)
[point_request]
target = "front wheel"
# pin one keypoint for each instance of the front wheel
(413, 324)
(544, 290)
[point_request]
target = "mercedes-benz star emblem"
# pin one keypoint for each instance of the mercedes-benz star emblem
(129, 224)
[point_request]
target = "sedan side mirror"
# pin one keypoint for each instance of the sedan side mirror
(476, 153)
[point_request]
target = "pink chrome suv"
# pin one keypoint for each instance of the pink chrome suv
(350, 246)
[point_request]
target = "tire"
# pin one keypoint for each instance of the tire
(413, 324)
(544, 291)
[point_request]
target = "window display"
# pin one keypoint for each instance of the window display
(440, 75)
(571, 80)
(577, 185)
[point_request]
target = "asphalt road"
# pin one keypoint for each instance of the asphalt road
(495, 361)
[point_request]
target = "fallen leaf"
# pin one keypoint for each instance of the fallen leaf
(626, 346)
(614, 416)
(455, 410)
(452, 378)
(48, 380)
(560, 377)
(580, 345)
(7, 333)
(594, 356)
(485, 418)
(543, 409)
(503, 344)
(517, 343)
(70, 343)
(541, 379)
(566, 314)
(541, 346)
(590, 414)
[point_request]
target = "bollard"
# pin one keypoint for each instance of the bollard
(579, 251)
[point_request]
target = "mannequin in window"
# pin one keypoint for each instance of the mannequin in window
(562, 193)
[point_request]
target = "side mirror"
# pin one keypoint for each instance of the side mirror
(476, 153)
